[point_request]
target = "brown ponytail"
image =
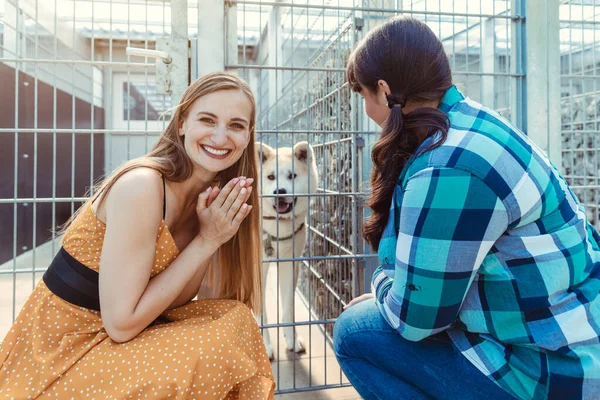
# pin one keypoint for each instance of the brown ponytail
(400, 138)
(410, 58)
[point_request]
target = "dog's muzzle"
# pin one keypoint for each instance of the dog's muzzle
(284, 205)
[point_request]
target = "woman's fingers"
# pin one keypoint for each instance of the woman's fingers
(213, 195)
(242, 213)
(225, 191)
(358, 299)
(237, 203)
(248, 194)
(203, 199)
(233, 195)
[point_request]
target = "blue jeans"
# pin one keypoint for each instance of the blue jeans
(381, 364)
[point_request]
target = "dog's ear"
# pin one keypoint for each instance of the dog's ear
(302, 151)
(263, 150)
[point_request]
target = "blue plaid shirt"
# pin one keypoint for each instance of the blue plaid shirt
(486, 241)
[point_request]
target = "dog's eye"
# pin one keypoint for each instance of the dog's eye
(271, 177)
(292, 176)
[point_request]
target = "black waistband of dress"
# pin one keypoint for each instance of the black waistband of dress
(72, 281)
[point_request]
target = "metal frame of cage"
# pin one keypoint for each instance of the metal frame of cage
(298, 81)
(55, 59)
(580, 113)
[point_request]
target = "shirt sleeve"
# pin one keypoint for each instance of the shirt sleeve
(449, 220)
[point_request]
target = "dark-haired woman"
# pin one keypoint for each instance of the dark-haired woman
(489, 280)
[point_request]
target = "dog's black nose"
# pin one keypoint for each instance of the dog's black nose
(280, 191)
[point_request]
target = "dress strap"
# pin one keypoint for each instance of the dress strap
(164, 197)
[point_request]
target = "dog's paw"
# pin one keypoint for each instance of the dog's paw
(298, 347)
(270, 352)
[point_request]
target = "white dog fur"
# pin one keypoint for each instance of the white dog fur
(286, 172)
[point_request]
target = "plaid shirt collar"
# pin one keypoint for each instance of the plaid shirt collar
(450, 98)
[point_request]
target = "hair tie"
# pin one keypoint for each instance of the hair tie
(395, 100)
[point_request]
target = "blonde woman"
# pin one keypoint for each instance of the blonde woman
(114, 316)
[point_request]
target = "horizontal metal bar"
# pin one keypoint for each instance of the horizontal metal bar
(326, 193)
(15, 56)
(575, 176)
(349, 139)
(329, 192)
(488, 74)
(376, 10)
(148, 3)
(580, 21)
(34, 42)
(121, 21)
(43, 200)
(272, 260)
(277, 68)
(22, 271)
(298, 323)
(580, 131)
(320, 258)
(578, 95)
(320, 69)
(590, 186)
(575, 76)
(313, 388)
(587, 149)
(79, 130)
(300, 131)
(85, 62)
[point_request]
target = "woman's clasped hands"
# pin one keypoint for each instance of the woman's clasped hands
(221, 211)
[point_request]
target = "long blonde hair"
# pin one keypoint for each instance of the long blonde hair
(239, 261)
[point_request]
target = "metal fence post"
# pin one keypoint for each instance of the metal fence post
(543, 72)
(211, 37)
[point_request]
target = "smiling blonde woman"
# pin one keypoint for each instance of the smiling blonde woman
(114, 316)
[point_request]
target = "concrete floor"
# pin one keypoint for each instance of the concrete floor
(328, 394)
(316, 367)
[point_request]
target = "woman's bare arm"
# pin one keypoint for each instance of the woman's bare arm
(129, 299)
(191, 289)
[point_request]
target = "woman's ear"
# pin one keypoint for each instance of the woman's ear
(180, 131)
(383, 89)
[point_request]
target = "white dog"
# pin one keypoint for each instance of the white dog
(286, 172)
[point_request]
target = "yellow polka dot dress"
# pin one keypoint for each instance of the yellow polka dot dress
(206, 349)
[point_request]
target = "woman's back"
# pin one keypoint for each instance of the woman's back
(531, 315)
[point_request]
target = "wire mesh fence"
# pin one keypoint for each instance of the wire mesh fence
(580, 110)
(294, 54)
(76, 106)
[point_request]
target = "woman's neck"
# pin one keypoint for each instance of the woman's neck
(413, 105)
